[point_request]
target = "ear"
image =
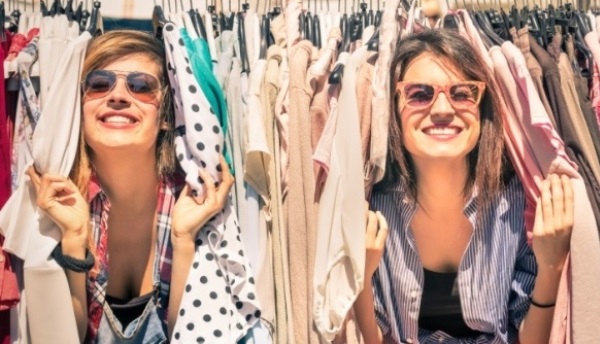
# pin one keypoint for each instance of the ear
(164, 125)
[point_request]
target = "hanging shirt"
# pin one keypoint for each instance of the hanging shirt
(495, 277)
(202, 67)
(220, 279)
(32, 235)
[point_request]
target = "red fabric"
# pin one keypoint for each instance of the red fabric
(19, 41)
(7, 279)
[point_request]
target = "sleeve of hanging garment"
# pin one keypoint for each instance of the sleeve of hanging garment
(340, 252)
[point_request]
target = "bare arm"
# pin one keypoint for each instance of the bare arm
(551, 239)
(58, 197)
(189, 216)
(77, 285)
(364, 306)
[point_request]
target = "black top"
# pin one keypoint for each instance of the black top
(127, 311)
(440, 306)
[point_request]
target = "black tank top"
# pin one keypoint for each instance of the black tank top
(440, 306)
(127, 311)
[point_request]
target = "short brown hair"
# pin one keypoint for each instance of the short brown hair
(486, 162)
(106, 49)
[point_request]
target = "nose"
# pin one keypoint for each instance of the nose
(442, 108)
(119, 93)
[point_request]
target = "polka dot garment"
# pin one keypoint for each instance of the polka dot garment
(219, 303)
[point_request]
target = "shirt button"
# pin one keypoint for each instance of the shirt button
(440, 340)
(413, 294)
(409, 341)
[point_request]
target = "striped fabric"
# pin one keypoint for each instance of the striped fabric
(495, 277)
(96, 285)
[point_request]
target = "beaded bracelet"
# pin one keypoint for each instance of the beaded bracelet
(538, 305)
(70, 263)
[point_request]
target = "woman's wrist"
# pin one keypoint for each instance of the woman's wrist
(546, 286)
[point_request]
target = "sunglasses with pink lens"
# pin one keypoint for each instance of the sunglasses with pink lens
(462, 94)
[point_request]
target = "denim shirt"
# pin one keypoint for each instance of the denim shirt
(495, 276)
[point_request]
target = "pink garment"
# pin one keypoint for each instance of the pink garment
(595, 93)
(537, 150)
(591, 40)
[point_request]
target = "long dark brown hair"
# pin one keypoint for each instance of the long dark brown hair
(486, 162)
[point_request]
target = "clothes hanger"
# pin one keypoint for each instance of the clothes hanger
(85, 16)
(378, 15)
(196, 20)
(450, 21)
(2, 20)
(158, 19)
(335, 78)
(69, 10)
(484, 35)
(56, 8)
(264, 37)
(245, 62)
(94, 28)
(316, 27)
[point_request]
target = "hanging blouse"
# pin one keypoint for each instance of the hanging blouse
(219, 302)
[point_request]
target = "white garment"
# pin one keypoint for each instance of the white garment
(220, 287)
(55, 33)
(340, 253)
(31, 235)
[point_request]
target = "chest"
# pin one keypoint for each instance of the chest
(441, 239)
(131, 256)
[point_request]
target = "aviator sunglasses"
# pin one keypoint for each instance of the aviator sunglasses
(462, 94)
(100, 82)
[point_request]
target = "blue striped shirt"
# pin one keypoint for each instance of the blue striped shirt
(495, 277)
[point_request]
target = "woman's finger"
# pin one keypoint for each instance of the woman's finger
(569, 202)
(538, 224)
(547, 207)
(371, 229)
(558, 208)
(35, 178)
(227, 176)
(206, 179)
(383, 230)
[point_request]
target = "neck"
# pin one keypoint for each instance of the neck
(129, 181)
(441, 184)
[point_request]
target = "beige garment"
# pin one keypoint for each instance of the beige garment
(299, 204)
(340, 255)
(269, 93)
(364, 94)
(581, 129)
(389, 30)
(257, 159)
(535, 69)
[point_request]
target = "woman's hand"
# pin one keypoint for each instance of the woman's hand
(190, 213)
(58, 197)
(377, 231)
(553, 223)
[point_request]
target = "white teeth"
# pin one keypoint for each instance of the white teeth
(117, 119)
(442, 131)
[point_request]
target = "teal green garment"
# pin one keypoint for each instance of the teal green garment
(201, 62)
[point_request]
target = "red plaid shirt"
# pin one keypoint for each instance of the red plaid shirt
(96, 284)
